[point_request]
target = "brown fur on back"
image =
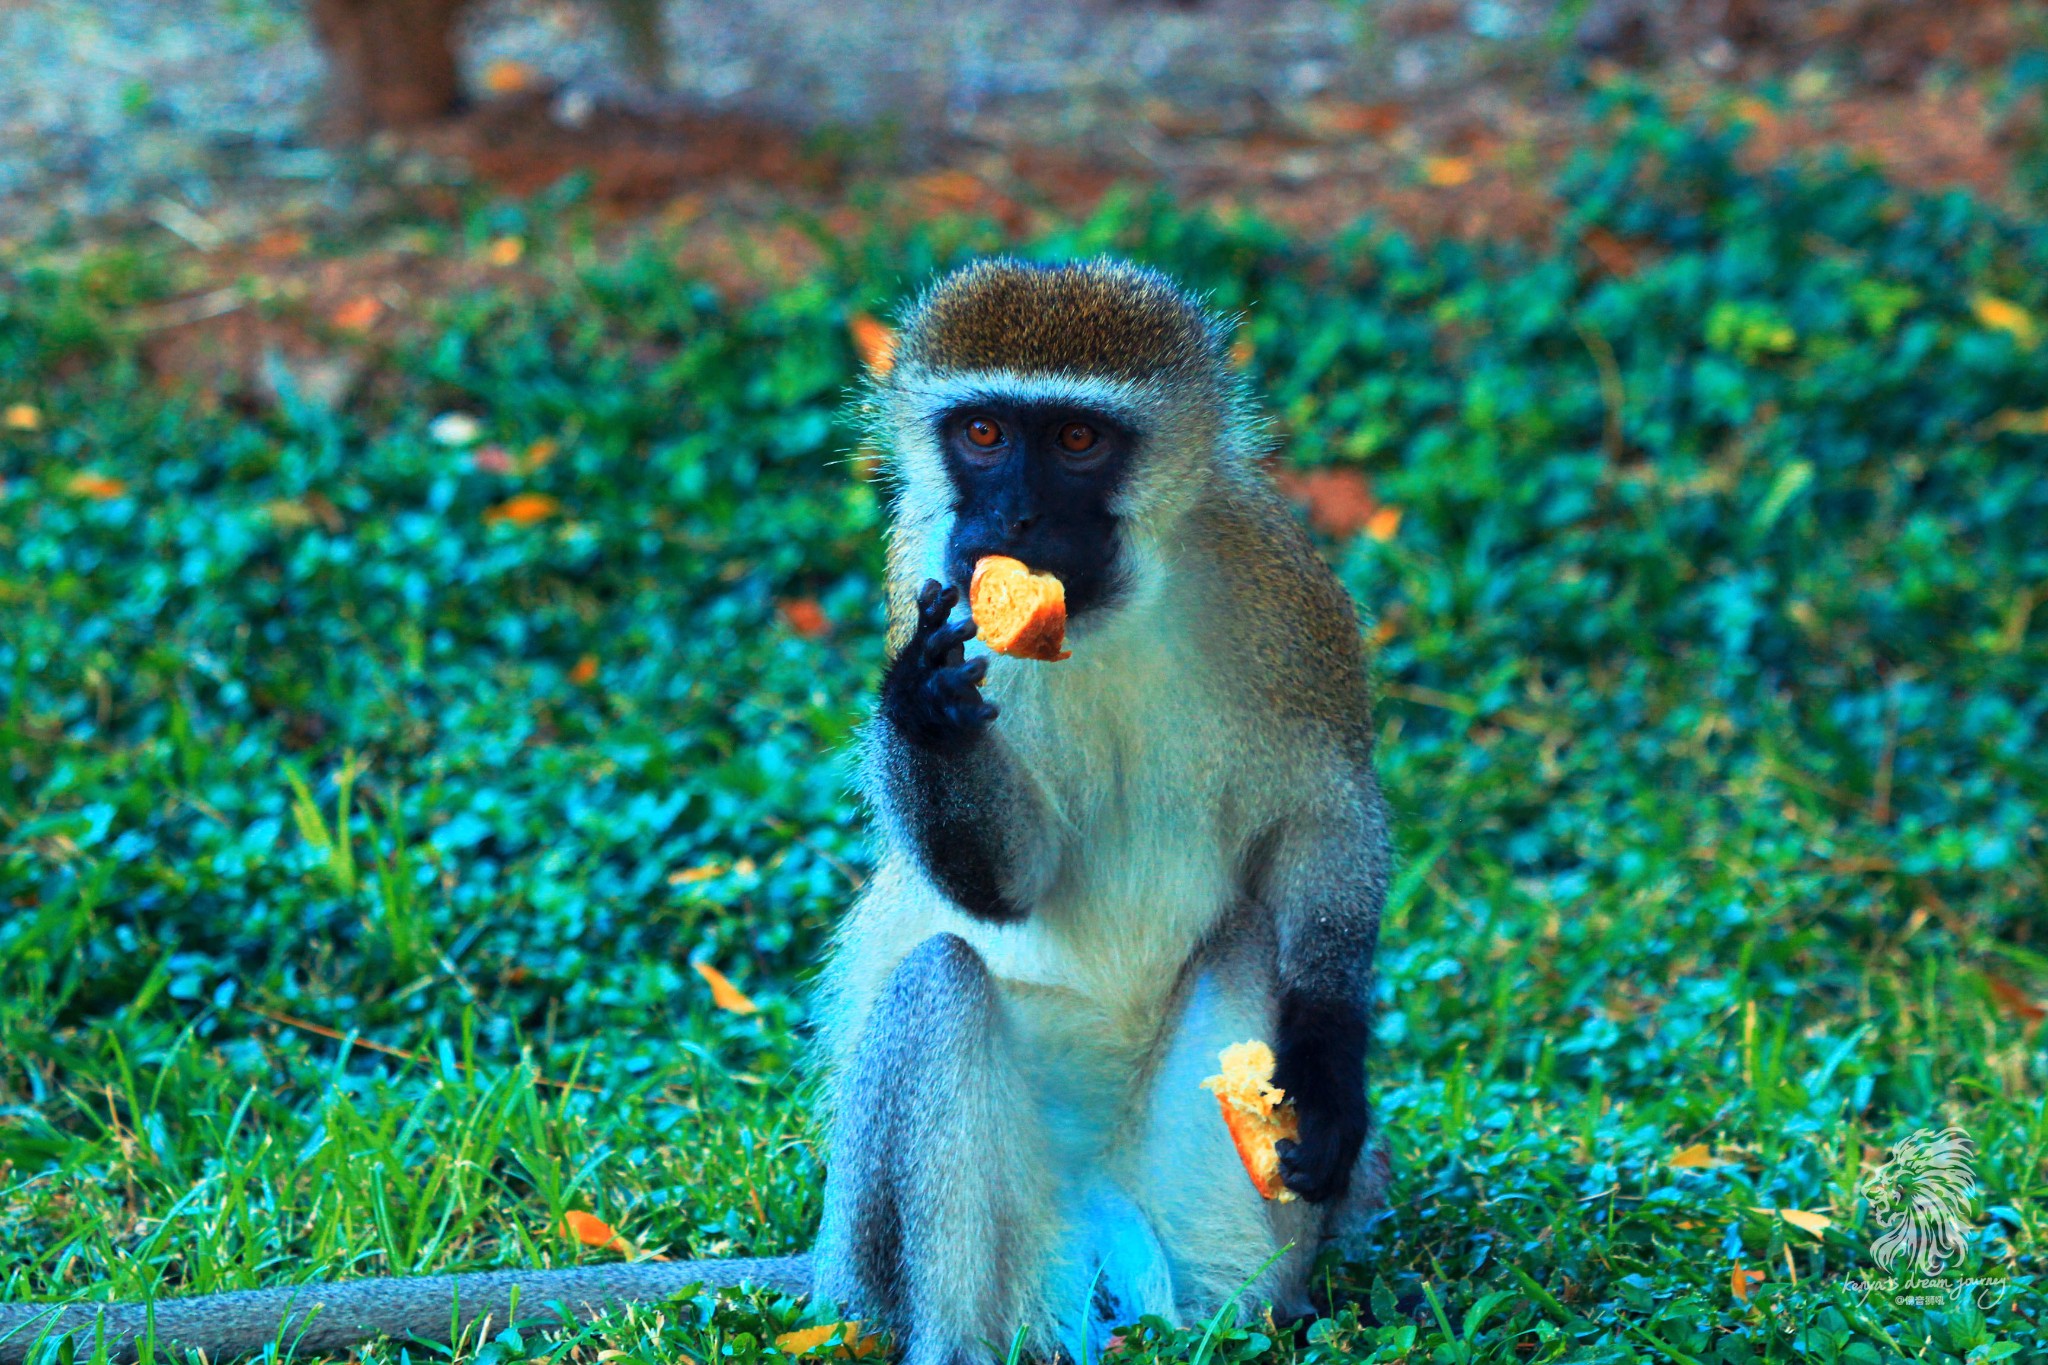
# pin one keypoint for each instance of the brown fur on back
(1288, 620)
(1099, 318)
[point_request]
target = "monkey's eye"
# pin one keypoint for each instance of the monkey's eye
(1077, 438)
(983, 432)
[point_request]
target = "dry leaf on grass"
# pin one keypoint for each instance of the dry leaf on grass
(96, 486)
(593, 1231)
(724, 994)
(874, 341)
(2003, 315)
(1339, 501)
(2014, 1001)
(1815, 1223)
(524, 509)
(358, 314)
(508, 77)
(1447, 172)
(804, 616)
(846, 1335)
(1697, 1158)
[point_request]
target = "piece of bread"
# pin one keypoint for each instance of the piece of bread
(1257, 1113)
(1019, 612)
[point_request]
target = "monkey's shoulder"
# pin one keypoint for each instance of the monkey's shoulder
(1285, 622)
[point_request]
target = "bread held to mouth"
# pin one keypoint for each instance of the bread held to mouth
(1257, 1112)
(1018, 612)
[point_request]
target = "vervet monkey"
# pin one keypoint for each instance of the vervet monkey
(1094, 875)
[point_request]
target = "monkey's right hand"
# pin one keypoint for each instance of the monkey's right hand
(931, 693)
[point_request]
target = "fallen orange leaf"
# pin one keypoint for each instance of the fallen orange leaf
(724, 994)
(1614, 255)
(1447, 171)
(847, 1334)
(524, 509)
(874, 342)
(23, 417)
(2003, 315)
(2025, 423)
(1241, 352)
(808, 1339)
(952, 188)
(593, 1231)
(703, 872)
(585, 671)
(358, 313)
(1697, 1158)
(1340, 502)
(1385, 524)
(505, 251)
(540, 452)
(280, 245)
(1815, 1223)
(1741, 1281)
(805, 617)
(1754, 110)
(507, 77)
(2013, 1000)
(290, 514)
(97, 486)
(1373, 120)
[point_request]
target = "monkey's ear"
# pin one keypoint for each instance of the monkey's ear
(874, 341)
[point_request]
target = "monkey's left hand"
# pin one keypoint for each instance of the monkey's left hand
(1320, 1063)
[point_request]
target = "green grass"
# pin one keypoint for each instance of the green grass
(1712, 645)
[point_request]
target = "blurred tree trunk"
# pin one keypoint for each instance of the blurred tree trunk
(390, 63)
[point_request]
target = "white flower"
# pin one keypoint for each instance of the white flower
(455, 429)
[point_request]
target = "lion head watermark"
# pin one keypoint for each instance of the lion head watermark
(1920, 1197)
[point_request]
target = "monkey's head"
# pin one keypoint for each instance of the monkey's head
(1066, 416)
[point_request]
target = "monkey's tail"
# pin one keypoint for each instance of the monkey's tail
(321, 1319)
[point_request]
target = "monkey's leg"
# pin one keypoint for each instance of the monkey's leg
(936, 1201)
(1221, 1237)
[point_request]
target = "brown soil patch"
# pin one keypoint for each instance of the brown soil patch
(636, 161)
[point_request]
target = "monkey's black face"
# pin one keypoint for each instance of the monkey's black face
(1034, 481)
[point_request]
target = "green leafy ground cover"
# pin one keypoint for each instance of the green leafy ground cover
(1712, 648)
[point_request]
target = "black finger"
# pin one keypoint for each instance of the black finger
(960, 679)
(943, 646)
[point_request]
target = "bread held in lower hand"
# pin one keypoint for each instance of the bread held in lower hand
(1257, 1113)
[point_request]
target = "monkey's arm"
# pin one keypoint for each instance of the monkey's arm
(946, 785)
(323, 1319)
(1325, 881)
